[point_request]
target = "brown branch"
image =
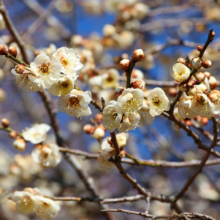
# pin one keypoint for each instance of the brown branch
(182, 216)
(192, 178)
(99, 200)
(13, 31)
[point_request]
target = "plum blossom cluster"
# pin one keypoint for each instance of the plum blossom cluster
(199, 95)
(32, 201)
(57, 73)
(133, 108)
(45, 154)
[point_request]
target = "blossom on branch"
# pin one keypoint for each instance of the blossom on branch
(112, 115)
(131, 100)
(69, 60)
(36, 134)
(158, 101)
(48, 71)
(47, 155)
(75, 103)
(181, 72)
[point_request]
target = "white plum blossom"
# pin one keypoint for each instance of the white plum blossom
(185, 108)
(36, 134)
(158, 101)
(48, 71)
(46, 208)
(202, 105)
(214, 97)
(110, 79)
(62, 86)
(69, 60)
(47, 155)
(75, 103)
(32, 201)
(181, 72)
(131, 100)
(29, 80)
(112, 115)
(144, 111)
(130, 122)
(107, 151)
(25, 201)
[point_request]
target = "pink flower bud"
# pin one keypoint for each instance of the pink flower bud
(206, 64)
(200, 77)
(19, 68)
(99, 117)
(124, 64)
(88, 129)
(181, 60)
(20, 144)
(138, 55)
(5, 122)
(207, 74)
(2, 50)
(13, 51)
(212, 82)
(138, 84)
(196, 63)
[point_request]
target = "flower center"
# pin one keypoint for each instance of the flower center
(26, 200)
(44, 68)
(156, 101)
(114, 115)
(64, 61)
(73, 101)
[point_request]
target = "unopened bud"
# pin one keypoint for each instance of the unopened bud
(214, 96)
(199, 48)
(13, 134)
(138, 84)
(202, 121)
(2, 50)
(13, 51)
(118, 91)
(202, 87)
(200, 77)
(20, 68)
(124, 64)
(172, 92)
(138, 55)
(88, 129)
(20, 144)
(212, 82)
(98, 133)
(196, 62)
(206, 64)
(207, 74)
(5, 122)
(99, 117)
(213, 34)
(188, 123)
(181, 60)
(109, 30)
